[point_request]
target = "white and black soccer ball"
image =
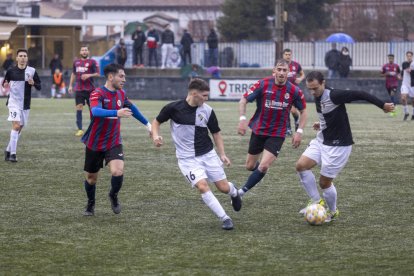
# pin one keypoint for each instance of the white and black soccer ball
(315, 214)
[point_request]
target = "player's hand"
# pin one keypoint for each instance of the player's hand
(124, 113)
(388, 107)
(316, 126)
(158, 141)
(296, 139)
(70, 90)
(149, 129)
(242, 127)
(85, 76)
(298, 80)
(6, 85)
(30, 81)
(225, 160)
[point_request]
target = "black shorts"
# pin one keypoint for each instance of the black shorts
(259, 142)
(94, 159)
(81, 97)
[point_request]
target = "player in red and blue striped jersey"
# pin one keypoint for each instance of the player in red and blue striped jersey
(274, 98)
(103, 138)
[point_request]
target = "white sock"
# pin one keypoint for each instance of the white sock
(14, 137)
(241, 192)
(211, 201)
(233, 191)
(307, 178)
(330, 197)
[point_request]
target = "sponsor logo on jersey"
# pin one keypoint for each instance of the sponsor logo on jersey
(118, 102)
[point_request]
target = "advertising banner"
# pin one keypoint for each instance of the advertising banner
(222, 89)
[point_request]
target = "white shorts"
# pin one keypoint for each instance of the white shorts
(19, 115)
(407, 90)
(207, 166)
(331, 159)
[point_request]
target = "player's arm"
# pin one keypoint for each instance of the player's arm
(303, 118)
(6, 80)
(36, 81)
(347, 96)
(156, 138)
(301, 76)
(218, 141)
(138, 115)
(242, 119)
(72, 79)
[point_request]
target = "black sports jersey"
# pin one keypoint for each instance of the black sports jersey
(20, 90)
(408, 78)
(334, 123)
(189, 127)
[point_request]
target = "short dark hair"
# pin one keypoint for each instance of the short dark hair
(112, 68)
(287, 50)
(409, 52)
(198, 84)
(21, 50)
(315, 75)
(390, 55)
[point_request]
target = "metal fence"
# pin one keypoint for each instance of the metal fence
(311, 55)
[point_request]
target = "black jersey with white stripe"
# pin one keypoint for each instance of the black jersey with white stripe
(20, 90)
(335, 129)
(189, 127)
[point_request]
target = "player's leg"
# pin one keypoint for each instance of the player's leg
(93, 163)
(309, 159)
(79, 100)
(404, 96)
(411, 96)
(115, 160)
(15, 117)
(271, 147)
(333, 160)
(214, 170)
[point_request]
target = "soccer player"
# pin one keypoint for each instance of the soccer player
(103, 137)
(407, 86)
(190, 121)
(391, 71)
(333, 143)
(84, 69)
(274, 98)
(19, 79)
(294, 70)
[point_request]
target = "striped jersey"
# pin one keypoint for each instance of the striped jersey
(189, 127)
(84, 66)
(20, 90)
(294, 70)
(391, 81)
(333, 118)
(407, 77)
(104, 133)
(273, 104)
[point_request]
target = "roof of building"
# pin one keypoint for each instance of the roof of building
(110, 4)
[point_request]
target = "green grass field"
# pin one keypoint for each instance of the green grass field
(165, 229)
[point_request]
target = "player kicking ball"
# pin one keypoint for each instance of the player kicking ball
(191, 120)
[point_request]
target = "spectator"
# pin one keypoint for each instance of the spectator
(332, 61)
(55, 63)
(212, 41)
(139, 39)
(58, 84)
(345, 63)
(167, 46)
(152, 44)
(121, 53)
(8, 63)
(186, 42)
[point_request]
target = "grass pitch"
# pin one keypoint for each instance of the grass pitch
(164, 227)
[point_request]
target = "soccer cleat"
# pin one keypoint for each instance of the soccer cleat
(90, 208)
(406, 115)
(13, 158)
(310, 202)
(236, 202)
(6, 155)
(227, 224)
(116, 206)
(79, 133)
(331, 216)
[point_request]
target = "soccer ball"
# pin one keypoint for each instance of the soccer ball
(315, 214)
